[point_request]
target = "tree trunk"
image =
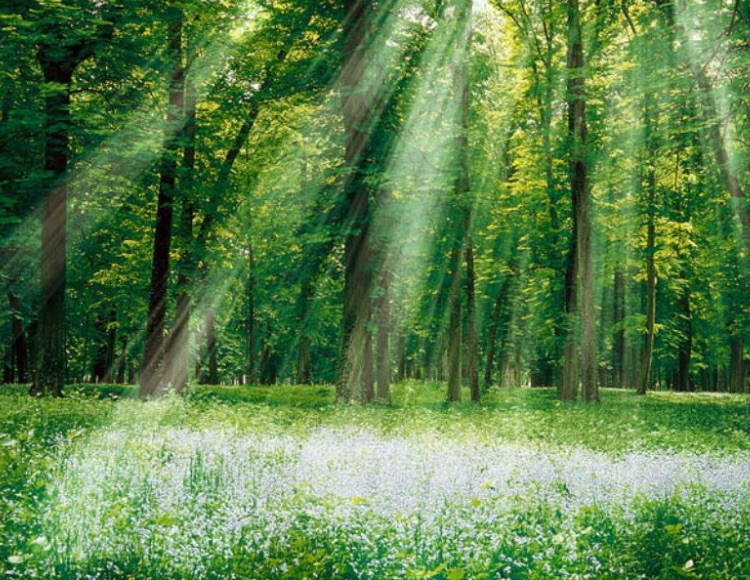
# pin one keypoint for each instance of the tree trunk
(153, 368)
(618, 317)
(581, 193)
(304, 374)
(49, 377)
(250, 321)
(454, 342)
(19, 346)
(178, 353)
(102, 368)
(268, 359)
(122, 360)
(383, 350)
(471, 316)
(497, 309)
(462, 240)
(737, 371)
(352, 379)
(648, 349)
(401, 366)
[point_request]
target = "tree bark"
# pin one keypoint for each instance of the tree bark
(648, 349)
(618, 317)
(153, 368)
(497, 315)
(737, 370)
(19, 346)
(582, 195)
(472, 347)
(455, 335)
(353, 380)
(178, 352)
(49, 377)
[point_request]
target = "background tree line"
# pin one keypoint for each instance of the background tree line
(487, 193)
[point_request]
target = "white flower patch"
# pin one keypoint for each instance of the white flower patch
(188, 495)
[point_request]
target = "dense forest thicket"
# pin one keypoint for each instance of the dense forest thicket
(486, 192)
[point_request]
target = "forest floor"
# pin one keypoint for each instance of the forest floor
(255, 482)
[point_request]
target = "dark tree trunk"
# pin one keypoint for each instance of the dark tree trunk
(178, 353)
(49, 377)
(304, 373)
(268, 359)
(353, 380)
(737, 370)
(497, 310)
(471, 318)
(581, 196)
(250, 320)
(455, 333)
(102, 368)
(401, 366)
(618, 349)
(648, 349)
(19, 346)
(122, 360)
(153, 368)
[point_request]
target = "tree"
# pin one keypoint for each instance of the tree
(579, 273)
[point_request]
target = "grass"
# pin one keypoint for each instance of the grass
(257, 482)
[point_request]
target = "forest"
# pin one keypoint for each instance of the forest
(416, 289)
(522, 192)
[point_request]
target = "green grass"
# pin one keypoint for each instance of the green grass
(280, 482)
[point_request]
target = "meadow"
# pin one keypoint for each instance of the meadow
(254, 482)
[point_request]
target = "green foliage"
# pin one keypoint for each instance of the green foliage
(176, 487)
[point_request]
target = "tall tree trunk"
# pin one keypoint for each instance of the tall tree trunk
(582, 204)
(455, 328)
(304, 373)
(179, 340)
(153, 368)
(353, 378)
(49, 377)
(250, 367)
(462, 239)
(648, 349)
(472, 347)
